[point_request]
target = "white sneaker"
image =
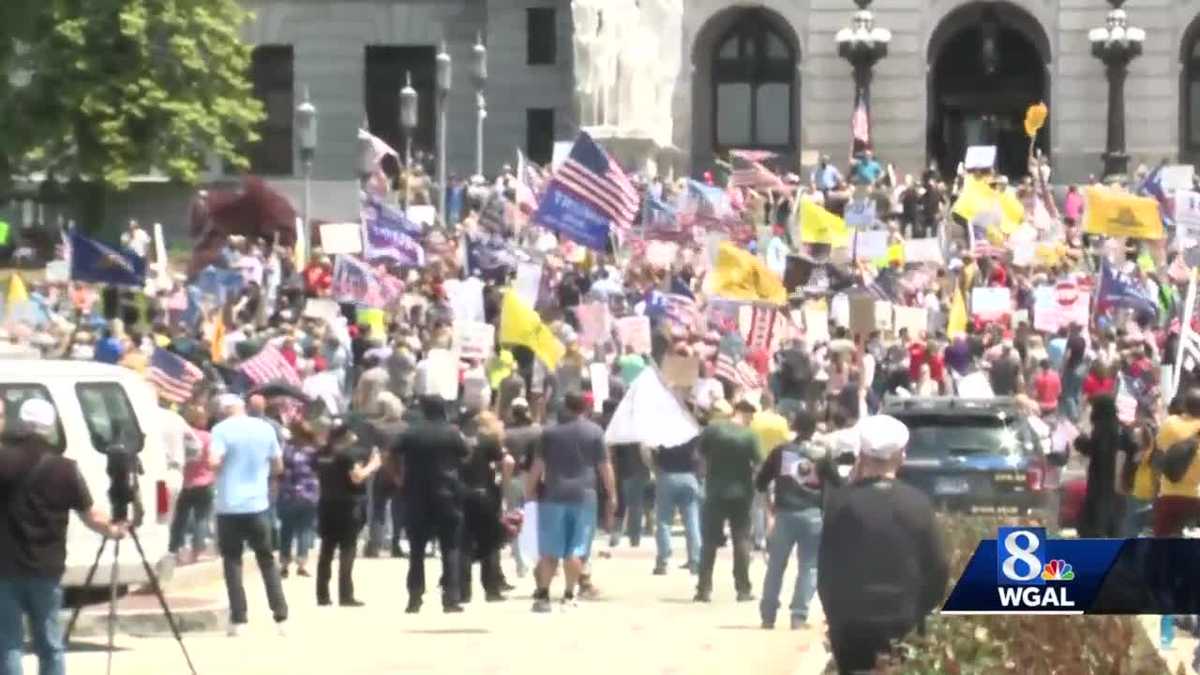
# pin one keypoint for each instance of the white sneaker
(236, 630)
(281, 629)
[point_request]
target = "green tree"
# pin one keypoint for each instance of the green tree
(123, 87)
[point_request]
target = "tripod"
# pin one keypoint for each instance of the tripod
(112, 597)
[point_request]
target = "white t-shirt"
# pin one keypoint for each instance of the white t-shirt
(137, 241)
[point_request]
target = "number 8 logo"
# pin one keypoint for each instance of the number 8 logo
(1023, 554)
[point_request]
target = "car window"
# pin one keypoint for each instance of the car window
(14, 395)
(109, 416)
(934, 436)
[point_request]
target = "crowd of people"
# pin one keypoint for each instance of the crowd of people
(303, 423)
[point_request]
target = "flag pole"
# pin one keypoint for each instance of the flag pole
(1185, 325)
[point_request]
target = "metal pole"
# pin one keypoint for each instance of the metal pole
(441, 191)
(308, 226)
(481, 114)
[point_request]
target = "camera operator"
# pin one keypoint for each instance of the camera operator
(37, 489)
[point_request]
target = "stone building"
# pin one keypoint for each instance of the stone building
(755, 73)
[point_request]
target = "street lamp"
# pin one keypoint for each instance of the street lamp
(479, 78)
(408, 116)
(442, 86)
(306, 124)
(1116, 45)
(863, 45)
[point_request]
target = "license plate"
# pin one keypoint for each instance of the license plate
(951, 486)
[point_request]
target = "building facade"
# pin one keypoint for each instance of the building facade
(755, 73)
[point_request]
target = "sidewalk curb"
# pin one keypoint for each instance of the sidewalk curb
(143, 623)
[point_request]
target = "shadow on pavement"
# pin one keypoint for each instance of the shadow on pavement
(76, 646)
(450, 631)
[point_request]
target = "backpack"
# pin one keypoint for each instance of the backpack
(1175, 460)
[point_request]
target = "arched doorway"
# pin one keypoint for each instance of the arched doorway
(987, 64)
(1189, 94)
(746, 86)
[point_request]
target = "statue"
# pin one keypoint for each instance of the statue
(619, 27)
(665, 19)
(586, 16)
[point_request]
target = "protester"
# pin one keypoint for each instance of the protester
(299, 492)
(193, 506)
(341, 511)
(730, 453)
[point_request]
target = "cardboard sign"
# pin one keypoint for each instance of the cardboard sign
(869, 245)
(341, 238)
(474, 339)
(661, 253)
(634, 331)
(681, 371)
(1019, 317)
(598, 374)
(990, 303)
(868, 314)
(323, 309)
(861, 214)
(1177, 176)
(928, 250)
(980, 158)
(528, 282)
(595, 324)
(915, 319)
(425, 214)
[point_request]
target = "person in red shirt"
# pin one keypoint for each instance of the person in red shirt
(916, 359)
(937, 366)
(318, 277)
(1047, 387)
(1098, 381)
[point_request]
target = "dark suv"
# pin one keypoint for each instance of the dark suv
(972, 455)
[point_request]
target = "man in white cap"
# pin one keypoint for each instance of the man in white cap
(38, 487)
(882, 566)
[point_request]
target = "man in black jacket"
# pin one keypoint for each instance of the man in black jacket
(882, 566)
(801, 471)
(429, 456)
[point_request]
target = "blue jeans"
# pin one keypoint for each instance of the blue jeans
(677, 491)
(39, 598)
(792, 529)
(1136, 518)
(193, 515)
(297, 523)
(633, 491)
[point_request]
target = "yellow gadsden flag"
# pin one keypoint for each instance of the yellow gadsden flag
(957, 323)
(1120, 214)
(978, 200)
(521, 325)
(818, 226)
(738, 275)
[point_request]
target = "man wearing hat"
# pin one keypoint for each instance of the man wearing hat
(38, 487)
(882, 566)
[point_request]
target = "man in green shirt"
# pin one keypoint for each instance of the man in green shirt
(630, 365)
(730, 452)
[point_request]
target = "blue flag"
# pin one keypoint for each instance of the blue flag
(99, 263)
(219, 283)
(562, 211)
(1118, 290)
(390, 234)
(489, 253)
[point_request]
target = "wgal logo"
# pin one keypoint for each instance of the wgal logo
(1022, 570)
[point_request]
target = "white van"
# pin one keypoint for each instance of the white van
(98, 405)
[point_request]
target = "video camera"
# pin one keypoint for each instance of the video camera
(123, 470)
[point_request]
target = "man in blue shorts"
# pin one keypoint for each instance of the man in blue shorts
(563, 480)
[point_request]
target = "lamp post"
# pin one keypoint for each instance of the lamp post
(479, 78)
(306, 125)
(408, 116)
(443, 93)
(863, 45)
(1116, 44)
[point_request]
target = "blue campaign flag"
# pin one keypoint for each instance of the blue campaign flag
(1118, 290)
(1151, 186)
(390, 234)
(488, 253)
(562, 211)
(218, 283)
(96, 262)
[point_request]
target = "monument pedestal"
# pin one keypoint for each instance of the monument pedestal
(640, 153)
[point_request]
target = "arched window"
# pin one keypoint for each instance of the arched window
(753, 77)
(1191, 94)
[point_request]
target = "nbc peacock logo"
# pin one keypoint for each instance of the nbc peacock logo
(1058, 570)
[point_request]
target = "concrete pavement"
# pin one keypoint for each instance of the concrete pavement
(642, 624)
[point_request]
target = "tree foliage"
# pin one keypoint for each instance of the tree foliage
(123, 87)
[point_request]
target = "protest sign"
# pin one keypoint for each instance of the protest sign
(869, 314)
(474, 339)
(681, 371)
(980, 157)
(560, 210)
(915, 319)
(337, 238)
(839, 310)
(1057, 306)
(1177, 176)
(528, 282)
(392, 235)
(634, 331)
(58, 272)
(465, 298)
(923, 250)
(598, 374)
(990, 303)
(860, 214)
(975, 385)
(1187, 218)
(355, 281)
(869, 245)
(1019, 317)
(440, 371)
(661, 253)
(423, 214)
(595, 323)
(562, 150)
(322, 309)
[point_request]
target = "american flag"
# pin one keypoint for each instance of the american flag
(174, 377)
(269, 366)
(682, 310)
(752, 174)
(753, 155)
(762, 327)
(596, 178)
(738, 373)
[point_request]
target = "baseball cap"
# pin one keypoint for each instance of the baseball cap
(38, 414)
(882, 436)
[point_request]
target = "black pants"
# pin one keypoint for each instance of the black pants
(715, 514)
(383, 499)
(856, 646)
(253, 530)
(434, 519)
(193, 509)
(489, 575)
(339, 523)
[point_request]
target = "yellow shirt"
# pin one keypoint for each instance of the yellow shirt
(772, 430)
(1177, 428)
